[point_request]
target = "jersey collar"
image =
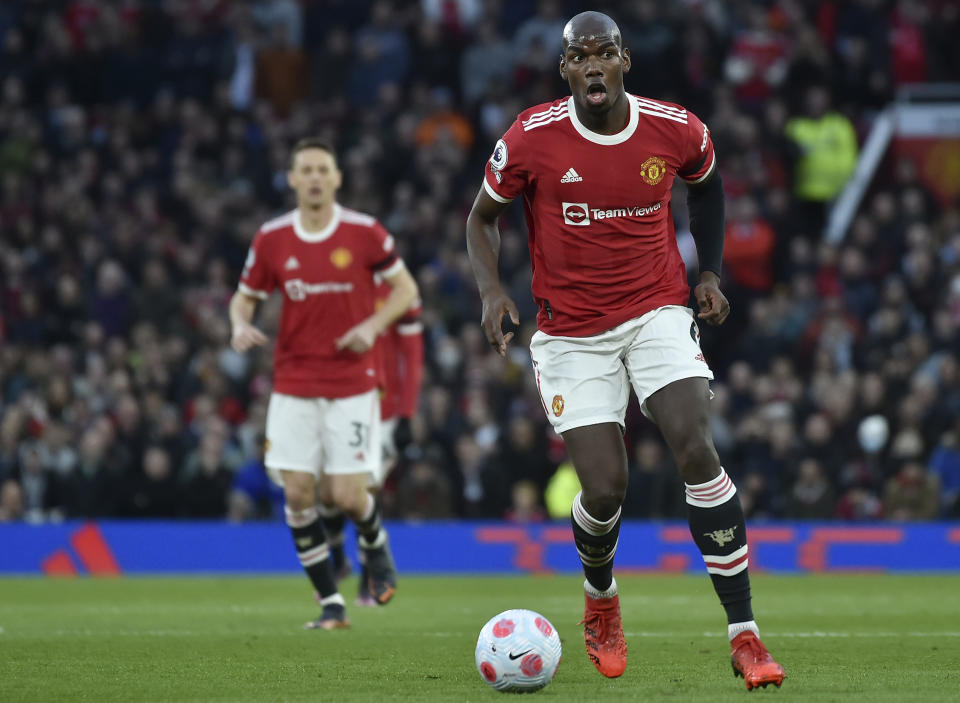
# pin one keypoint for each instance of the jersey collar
(324, 234)
(606, 139)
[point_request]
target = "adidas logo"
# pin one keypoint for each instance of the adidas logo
(291, 264)
(571, 176)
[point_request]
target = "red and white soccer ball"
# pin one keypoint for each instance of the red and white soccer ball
(518, 650)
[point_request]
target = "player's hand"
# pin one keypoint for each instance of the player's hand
(245, 336)
(495, 305)
(359, 338)
(714, 306)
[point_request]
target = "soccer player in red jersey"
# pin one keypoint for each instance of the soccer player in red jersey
(401, 361)
(595, 172)
(323, 421)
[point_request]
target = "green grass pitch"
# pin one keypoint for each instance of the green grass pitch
(840, 638)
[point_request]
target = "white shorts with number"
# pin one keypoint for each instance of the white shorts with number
(323, 435)
(584, 380)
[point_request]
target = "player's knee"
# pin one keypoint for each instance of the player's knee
(602, 499)
(350, 496)
(299, 493)
(697, 459)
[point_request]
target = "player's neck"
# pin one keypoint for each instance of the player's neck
(610, 122)
(315, 219)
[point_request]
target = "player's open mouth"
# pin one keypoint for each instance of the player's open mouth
(315, 192)
(596, 93)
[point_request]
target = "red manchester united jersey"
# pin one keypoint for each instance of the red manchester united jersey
(401, 354)
(327, 283)
(602, 241)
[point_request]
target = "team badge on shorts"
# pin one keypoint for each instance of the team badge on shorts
(653, 170)
(557, 405)
(695, 332)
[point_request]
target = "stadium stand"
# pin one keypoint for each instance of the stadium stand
(141, 143)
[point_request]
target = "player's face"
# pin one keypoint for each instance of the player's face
(314, 177)
(593, 66)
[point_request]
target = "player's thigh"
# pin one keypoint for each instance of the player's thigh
(665, 349)
(351, 434)
(581, 380)
(294, 435)
(388, 453)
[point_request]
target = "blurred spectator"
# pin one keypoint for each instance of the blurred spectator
(827, 144)
(253, 494)
(423, 493)
(654, 489)
(561, 490)
(812, 496)
(153, 493)
(11, 501)
(525, 503)
(945, 465)
(748, 248)
(913, 494)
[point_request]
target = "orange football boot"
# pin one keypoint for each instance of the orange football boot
(752, 661)
(603, 635)
(333, 617)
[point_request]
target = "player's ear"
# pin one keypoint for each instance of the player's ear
(291, 179)
(563, 67)
(337, 178)
(625, 59)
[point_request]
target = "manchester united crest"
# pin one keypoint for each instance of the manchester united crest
(557, 405)
(341, 257)
(653, 170)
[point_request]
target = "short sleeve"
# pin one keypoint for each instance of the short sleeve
(699, 159)
(258, 279)
(506, 174)
(381, 254)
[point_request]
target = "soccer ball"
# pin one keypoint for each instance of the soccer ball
(518, 650)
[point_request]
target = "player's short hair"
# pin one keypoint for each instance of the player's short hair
(311, 143)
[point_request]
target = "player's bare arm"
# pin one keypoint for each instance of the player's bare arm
(483, 248)
(244, 334)
(706, 203)
(403, 291)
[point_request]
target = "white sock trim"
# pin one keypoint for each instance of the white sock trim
(300, 518)
(588, 522)
(735, 628)
(378, 542)
(335, 599)
(714, 492)
(595, 593)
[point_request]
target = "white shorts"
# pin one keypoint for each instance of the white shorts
(584, 380)
(323, 435)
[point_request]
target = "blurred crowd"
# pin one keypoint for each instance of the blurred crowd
(142, 142)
